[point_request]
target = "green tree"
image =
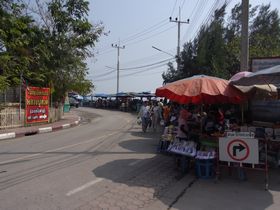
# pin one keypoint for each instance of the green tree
(49, 51)
(170, 75)
(216, 49)
(70, 36)
(16, 36)
(265, 33)
(206, 54)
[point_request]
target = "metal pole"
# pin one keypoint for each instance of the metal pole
(244, 37)
(118, 70)
(20, 95)
(178, 21)
(118, 62)
(178, 47)
(266, 165)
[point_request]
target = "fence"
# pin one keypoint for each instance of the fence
(10, 117)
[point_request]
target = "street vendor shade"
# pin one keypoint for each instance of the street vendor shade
(201, 89)
(262, 77)
(240, 75)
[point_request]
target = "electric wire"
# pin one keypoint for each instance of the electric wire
(147, 32)
(139, 34)
(195, 16)
(134, 73)
(182, 5)
(149, 37)
(148, 65)
(173, 8)
(131, 68)
(207, 19)
(104, 74)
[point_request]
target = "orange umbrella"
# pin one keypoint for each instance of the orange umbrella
(201, 89)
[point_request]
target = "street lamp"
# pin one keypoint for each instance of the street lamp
(163, 51)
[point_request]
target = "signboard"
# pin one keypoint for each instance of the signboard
(37, 104)
(239, 149)
(263, 63)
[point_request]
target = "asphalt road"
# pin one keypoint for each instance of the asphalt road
(106, 162)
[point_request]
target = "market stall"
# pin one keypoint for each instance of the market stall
(198, 90)
(254, 145)
(262, 87)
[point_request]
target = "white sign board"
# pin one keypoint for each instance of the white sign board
(239, 149)
(263, 63)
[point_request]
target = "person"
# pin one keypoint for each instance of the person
(166, 114)
(182, 125)
(156, 116)
(144, 113)
(196, 116)
(220, 119)
(209, 124)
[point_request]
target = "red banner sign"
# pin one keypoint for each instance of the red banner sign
(37, 104)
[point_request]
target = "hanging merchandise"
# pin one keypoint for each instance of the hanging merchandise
(187, 148)
(205, 155)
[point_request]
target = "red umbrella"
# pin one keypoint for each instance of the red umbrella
(201, 89)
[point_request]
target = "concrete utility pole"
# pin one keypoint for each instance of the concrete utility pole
(244, 60)
(118, 62)
(179, 28)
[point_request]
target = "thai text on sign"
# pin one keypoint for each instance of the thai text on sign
(37, 104)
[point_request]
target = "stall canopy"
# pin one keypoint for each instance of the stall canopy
(145, 94)
(201, 89)
(240, 75)
(101, 95)
(262, 82)
(262, 77)
(123, 94)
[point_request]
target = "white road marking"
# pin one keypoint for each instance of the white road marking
(83, 187)
(134, 162)
(58, 149)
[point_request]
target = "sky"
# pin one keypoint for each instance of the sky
(138, 26)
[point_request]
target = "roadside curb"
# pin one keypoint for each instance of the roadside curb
(30, 131)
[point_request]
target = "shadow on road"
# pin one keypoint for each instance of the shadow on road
(158, 179)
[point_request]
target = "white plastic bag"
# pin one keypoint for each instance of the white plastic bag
(139, 121)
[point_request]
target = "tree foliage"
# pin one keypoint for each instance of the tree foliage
(49, 46)
(216, 49)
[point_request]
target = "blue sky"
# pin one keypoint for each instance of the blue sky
(138, 25)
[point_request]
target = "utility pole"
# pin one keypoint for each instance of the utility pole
(178, 21)
(118, 62)
(244, 60)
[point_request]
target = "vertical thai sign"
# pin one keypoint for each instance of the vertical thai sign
(37, 104)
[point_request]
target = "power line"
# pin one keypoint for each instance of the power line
(173, 8)
(136, 42)
(179, 22)
(144, 59)
(145, 66)
(208, 17)
(194, 9)
(105, 74)
(134, 73)
(148, 65)
(144, 33)
(199, 9)
(182, 5)
(141, 33)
